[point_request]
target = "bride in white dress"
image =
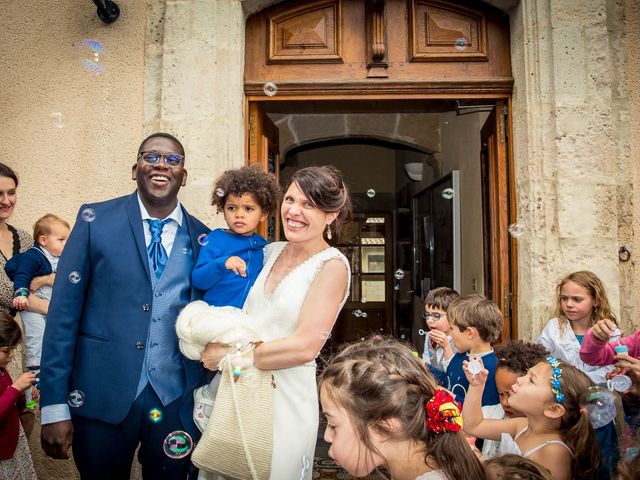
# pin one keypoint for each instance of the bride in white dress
(299, 293)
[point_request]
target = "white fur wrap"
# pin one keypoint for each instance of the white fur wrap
(200, 323)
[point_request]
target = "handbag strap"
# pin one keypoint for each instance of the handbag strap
(226, 366)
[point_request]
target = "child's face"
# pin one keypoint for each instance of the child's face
(6, 354)
(532, 392)
(505, 379)
(55, 241)
(436, 319)
(576, 303)
(243, 214)
(347, 448)
(461, 338)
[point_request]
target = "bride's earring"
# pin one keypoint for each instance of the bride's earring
(329, 234)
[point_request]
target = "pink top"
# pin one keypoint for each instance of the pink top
(595, 352)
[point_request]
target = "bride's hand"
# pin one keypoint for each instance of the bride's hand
(212, 354)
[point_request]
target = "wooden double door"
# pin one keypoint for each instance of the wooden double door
(305, 53)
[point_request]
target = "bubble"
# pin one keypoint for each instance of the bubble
(177, 445)
(57, 119)
(74, 277)
(371, 193)
(422, 332)
(76, 398)
(155, 415)
(306, 464)
(96, 49)
(447, 193)
(220, 192)
(399, 274)
(396, 286)
(357, 313)
(187, 251)
(364, 315)
(88, 215)
(474, 367)
(516, 230)
(363, 299)
(460, 44)
(619, 383)
(600, 405)
(325, 334)
(92, 66)
(270, 89)
(203, 239)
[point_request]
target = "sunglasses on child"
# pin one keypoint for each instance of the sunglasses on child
(171, 159)
(432, 316)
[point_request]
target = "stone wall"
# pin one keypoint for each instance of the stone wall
(572, 156)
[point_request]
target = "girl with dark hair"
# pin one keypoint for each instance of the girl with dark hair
(15, 459)
(555, 431)
(298, 295)
(384, 408)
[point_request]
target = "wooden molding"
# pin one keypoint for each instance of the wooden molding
(376, 30)
(310, 33)
(441, 31)
(356, 88)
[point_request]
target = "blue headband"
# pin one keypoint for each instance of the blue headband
(556, 373)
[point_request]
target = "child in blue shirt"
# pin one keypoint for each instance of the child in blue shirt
(231, 259)
(50, 235)
(476, 324)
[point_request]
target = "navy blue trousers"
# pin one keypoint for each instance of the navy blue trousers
(105, 451)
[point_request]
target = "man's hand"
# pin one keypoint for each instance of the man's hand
(56, 439)
(238, 265)
(41, 281)
(603, 329)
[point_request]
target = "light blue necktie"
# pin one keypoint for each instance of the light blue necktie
(157, 253)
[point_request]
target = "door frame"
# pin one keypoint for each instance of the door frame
(503, 206)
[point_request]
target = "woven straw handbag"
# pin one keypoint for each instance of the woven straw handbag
(237, 442)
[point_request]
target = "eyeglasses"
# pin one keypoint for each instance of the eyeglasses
(435, 316)
(171, 159)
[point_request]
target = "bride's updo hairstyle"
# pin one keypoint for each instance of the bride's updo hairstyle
(383, 387)
(324, 188)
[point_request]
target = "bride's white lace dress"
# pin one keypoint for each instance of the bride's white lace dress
(295, 402)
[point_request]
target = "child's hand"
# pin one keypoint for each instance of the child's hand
(35, 393)
(20, 302)
(238, 265)
(627, 362)
(603, 329)
(480, 378)
(24, 381)
(439, 338)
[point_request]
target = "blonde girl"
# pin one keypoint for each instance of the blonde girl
(556, 431)
(581, 301)
(384, 408)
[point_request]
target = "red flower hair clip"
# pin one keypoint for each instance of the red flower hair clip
(443, 413)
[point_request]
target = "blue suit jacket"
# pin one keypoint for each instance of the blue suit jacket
(95, 325)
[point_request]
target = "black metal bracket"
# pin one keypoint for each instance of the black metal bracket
(108, 11)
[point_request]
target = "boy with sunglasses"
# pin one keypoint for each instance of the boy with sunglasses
(438, 344)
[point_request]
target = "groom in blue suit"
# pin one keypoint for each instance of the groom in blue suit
(112, 376)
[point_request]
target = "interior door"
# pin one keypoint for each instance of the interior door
(366, 242)
(264, 149)
(499, 246)
(436, 229)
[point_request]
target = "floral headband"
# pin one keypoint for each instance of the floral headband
(443, 413)
(555, 378)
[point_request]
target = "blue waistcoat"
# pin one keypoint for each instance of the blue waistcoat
(163, 362)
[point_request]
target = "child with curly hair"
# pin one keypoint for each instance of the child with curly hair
(515, 467)
(231, 259)
(384, 408)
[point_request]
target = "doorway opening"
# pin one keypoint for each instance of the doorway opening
(429, 196)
